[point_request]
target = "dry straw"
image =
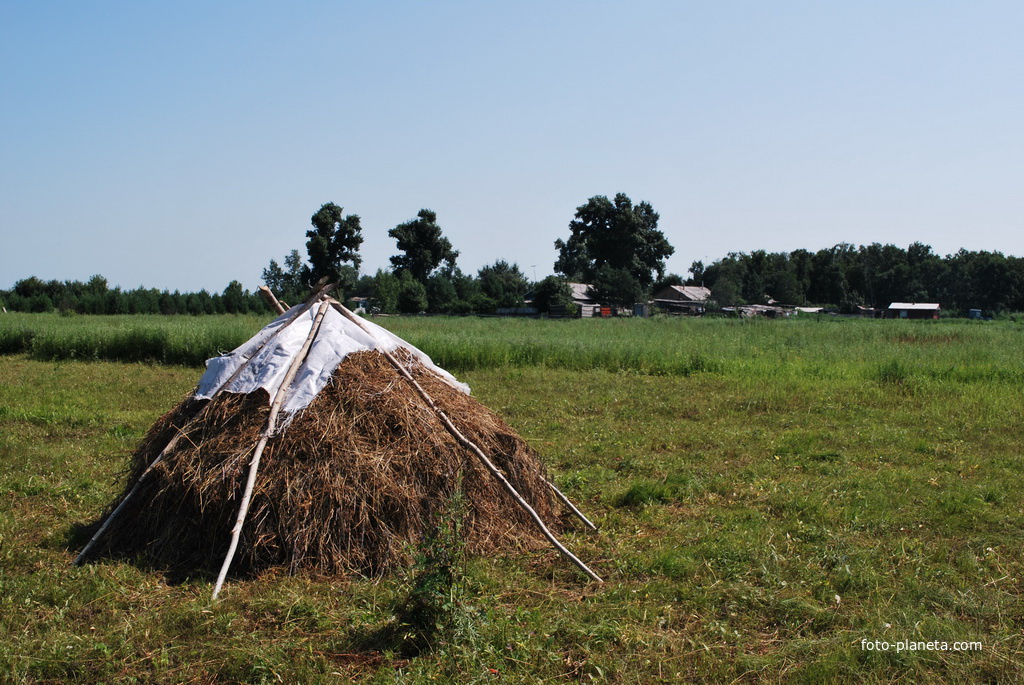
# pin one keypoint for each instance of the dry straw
(357, 477)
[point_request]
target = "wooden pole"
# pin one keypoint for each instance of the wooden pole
(572, 507)
(470, 445)
(181, 431)
(268, 295)
(254, 464)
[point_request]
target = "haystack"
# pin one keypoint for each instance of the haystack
(325, 443)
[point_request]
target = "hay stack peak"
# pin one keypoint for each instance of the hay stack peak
(328, 444)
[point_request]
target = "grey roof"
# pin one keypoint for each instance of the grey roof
(581, 292)
(694, 293)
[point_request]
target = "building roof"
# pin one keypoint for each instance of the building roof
(915, 305)
(581, 292)
(693, 293)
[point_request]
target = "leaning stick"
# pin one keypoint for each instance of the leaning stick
(268, 295)
(254, 464)
(172, 443)
(470, 445)
(572, 507)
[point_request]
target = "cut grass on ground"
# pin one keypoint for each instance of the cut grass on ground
(761, 519)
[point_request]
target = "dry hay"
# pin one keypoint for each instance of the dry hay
(354, 480)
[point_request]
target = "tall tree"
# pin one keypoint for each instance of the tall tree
(618, 237)
(423, 247)
(333, 246)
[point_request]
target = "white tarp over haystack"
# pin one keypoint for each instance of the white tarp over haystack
(337, 338)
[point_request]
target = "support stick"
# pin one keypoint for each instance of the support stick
(268, 295)
(181, 431)
(254, 464)
(572, 507)
(471, 446)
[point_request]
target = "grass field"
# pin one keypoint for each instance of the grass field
(772, 496)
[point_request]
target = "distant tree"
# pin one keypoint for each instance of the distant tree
(40, 303)
(781, 282)
(203, 303)
(97, 285)
(618, 235)
(333, 248)
(364, 285)
(724, 278)
(30, 287)
(553, 291)
(385, 292)
(885, 275)
(412, 295)
(667, 280)
(235, 298)
(753, 285)
(617, 286)
(504, 283)
(985, 280)
(332, 244)
(800, 264)
(726, 291)
(288, 284)
(442, 298)
(423, 247)
(145, 301)
(169, 303)
(831, 270)
(469, 293)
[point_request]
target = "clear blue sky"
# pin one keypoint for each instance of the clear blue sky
(185, 144)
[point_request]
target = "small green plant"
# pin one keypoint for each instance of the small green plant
(676, 487)
(435, 613)
(892, 372)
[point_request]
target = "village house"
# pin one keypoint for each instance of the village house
(683, 299)
(583, 298)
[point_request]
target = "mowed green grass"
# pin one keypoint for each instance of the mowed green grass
(805, 487)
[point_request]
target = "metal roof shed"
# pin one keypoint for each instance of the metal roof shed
(913, 310)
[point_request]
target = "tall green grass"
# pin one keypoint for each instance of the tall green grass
(889, 352)
(181, 340)
(959, 351)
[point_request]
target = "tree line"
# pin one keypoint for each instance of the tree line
(613, 245)
(96, 297)
(876, 275)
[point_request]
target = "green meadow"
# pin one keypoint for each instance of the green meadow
(809, 500)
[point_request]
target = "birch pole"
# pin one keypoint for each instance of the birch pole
(268, 432)
(268, 295)
(470, 445)
(572, 507)
(172, 443)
